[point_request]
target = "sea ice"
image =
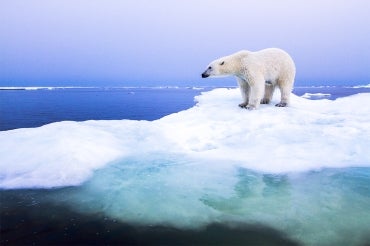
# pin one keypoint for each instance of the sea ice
(303, 169)
(315, 95)
(307, 135)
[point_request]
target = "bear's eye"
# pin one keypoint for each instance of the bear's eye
(209, 67)
(222, 63)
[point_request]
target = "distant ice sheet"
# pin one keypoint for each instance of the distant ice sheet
(35, 88)
(307, 135)
(315, 95)
(361, 86)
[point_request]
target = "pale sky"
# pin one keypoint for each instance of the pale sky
(168, 42)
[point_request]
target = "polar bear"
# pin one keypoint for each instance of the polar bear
(257, 73)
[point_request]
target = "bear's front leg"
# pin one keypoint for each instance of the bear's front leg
(244, 90)
(256, 94)
(252, 106)
(243, 105)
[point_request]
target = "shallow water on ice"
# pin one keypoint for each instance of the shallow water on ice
(326, 207)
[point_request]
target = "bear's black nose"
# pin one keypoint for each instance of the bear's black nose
(204, 75)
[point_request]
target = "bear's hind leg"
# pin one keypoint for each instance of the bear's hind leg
(269, 91)
(285, 89)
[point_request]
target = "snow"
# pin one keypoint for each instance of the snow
(303, 170)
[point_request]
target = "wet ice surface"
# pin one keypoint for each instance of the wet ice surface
(302, 170)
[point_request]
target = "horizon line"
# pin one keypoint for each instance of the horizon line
(160, 87)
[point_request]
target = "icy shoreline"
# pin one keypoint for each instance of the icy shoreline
(275, 140)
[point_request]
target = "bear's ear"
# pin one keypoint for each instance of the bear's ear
(222, 63)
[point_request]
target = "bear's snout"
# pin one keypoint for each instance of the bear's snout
(205, 74)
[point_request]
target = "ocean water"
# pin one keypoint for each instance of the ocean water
(37, 106)
(33, 107)
(174, 166)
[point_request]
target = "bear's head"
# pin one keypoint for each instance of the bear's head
(224, 66)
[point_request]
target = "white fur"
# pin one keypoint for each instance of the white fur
(258, 73)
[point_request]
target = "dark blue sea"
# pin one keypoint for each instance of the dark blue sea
(39, 106)
(28, 219)
(33, 107)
